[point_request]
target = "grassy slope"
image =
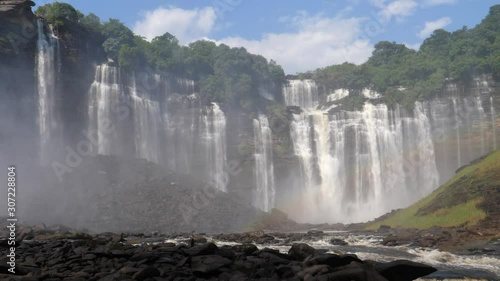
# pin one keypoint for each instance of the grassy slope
(469, 197)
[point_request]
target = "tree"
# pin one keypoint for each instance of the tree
(59, 14)
(117, 34)
(165, 52)
(276, 72)
(92, 23)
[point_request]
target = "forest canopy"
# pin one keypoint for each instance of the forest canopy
(224, 74)
(444, 56)
(233, 74)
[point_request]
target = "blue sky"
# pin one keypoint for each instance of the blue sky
(300, 35)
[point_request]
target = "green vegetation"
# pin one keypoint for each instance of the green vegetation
(59, 14)
(226, 75)
(444, 55)
(232, 75)
(469, 197)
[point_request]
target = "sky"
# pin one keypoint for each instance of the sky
(300, 35)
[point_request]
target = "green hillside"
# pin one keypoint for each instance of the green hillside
(471, 197)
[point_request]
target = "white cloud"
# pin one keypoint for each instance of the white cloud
(186, 25)
(317, 41)
(430, 26)
(430, 3)
(398, 9)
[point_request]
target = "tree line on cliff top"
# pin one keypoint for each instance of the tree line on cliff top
(405, 75)
(225, 74)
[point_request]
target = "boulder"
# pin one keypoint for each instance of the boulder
(199, 250)
(403, 270)
(248, 249)
(301, 251)
(315, 232)
(332, 260)
(205, 265)
(145, 273)
(338, 242)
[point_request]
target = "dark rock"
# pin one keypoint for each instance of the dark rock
(248, 249)
(145, 273)
(144, 256)
(313, 271)
(226, 252)
(274, 259)
(285, 271)
(199, 250)
(128, 270)
(265, 270)
(315, 232)
(198, 239)
(402, 270)
(384, 228)
(338, 242)
(203, 265)
(332, 260)
(300, 251)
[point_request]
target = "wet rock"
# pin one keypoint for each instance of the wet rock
(338, 242)
(203, 265)
(353, 271)
(199, 239)
(384, 228)
(101, 258)
(145, 273)
(332, 260)
(205, 249)
(315, 232)
(402, 270)
(248, 249)
(313, 271)
(300, 251)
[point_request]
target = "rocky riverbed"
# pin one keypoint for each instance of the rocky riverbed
(59, 253)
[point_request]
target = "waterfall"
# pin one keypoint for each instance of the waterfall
(264, 170)
(180, 130)
(46, 87)
(493, 122)
(104, 96)
(357, 165)
(303, 93)
(147, 123)
(214, 123)
(337, 95)
(457, 129)
(482, 124)
(160, 124)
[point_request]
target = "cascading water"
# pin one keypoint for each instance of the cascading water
(303, 93)
(147, 123)
(105, 94)
(462, 129)
(171, 132)
(181, 131)
(214, 123)
(264, 169)
(493, 123)
(457, 129)
(46, 72)
(358, 165)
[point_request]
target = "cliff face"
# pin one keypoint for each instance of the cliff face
(18, 29)
(314, 159)
(18, 37)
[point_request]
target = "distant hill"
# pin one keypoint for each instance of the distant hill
(471, 198)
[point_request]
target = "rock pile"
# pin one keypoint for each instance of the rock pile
(104, 257)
